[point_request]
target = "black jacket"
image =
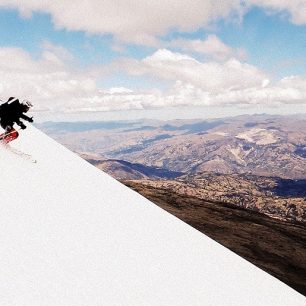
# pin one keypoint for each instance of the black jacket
(11, 112)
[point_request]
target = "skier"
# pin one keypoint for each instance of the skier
(11, 112)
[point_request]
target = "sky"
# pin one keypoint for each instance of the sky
(159, 59)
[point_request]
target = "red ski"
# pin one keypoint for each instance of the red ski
(10, 136)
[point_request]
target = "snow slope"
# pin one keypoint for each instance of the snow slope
(72, 235)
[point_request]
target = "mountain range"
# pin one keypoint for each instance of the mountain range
(261, 145)
(256, 162)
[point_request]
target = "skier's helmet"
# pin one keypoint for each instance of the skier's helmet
(27, 104)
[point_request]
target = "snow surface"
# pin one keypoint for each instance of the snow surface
(72, 235)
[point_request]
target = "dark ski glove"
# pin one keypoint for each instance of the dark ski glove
(22, 126)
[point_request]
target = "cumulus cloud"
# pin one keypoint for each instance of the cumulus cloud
(186, 94)
(211, 47)
(59, 51)
(212, 76)
(211, 83)
(137, 21)
(47, 81)
(142, 21)
(53, 85)
(183, 94)
(295, 8)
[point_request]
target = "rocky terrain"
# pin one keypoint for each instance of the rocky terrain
(261, 159)
(283, 199)
(255, 162)
(278, 198)
(259, 145)
(275, 246)
(122, 170)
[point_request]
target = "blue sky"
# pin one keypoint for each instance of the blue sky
(112, 57)
(270, 40)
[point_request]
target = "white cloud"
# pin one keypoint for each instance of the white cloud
(212, 76)
(295, 8)
(60, 52)
(142, 21)
(52, 85)
(212, 83)
(211, 47)
(272, 96)
(138, 21)
(47, 81)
